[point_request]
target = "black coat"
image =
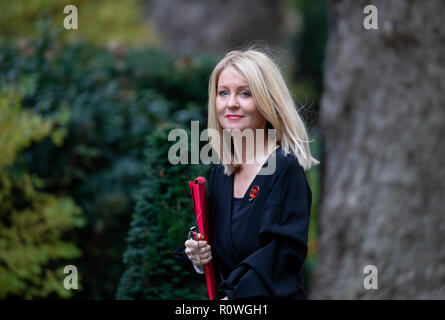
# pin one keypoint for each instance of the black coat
(260, 253)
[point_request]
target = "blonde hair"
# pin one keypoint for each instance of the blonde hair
(273, 100)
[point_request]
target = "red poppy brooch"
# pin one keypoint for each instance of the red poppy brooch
(254, 192)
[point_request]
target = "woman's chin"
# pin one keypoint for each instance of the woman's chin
(232, 127)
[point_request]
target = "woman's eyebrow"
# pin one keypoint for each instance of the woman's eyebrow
(243, 86)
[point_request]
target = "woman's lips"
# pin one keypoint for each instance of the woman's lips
(234, 116)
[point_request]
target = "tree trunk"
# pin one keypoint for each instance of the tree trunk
(382, 116)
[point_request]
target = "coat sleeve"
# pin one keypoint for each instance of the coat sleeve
(271, 271)
(179, 253)
(184, 261)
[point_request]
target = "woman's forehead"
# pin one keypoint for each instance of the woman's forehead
(231, 76)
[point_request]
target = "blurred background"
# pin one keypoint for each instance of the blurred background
(85, 114)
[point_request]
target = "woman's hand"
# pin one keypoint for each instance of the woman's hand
(198, 252)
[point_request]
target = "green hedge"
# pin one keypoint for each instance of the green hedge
(163, 215)
(108, 101)
(32, 222)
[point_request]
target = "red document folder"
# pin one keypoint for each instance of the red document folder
(199, 197)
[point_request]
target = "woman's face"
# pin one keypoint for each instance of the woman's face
(235, 105)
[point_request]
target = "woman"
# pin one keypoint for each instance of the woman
(259, 222)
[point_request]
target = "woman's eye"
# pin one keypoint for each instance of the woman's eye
(222, 92)
(246, 93)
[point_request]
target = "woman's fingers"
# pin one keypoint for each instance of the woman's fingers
(206, 249)
(188, 251)
(205, 261)
(199, 252)
(205, 258)
(202, 243)
(196, 244)
(199, 246)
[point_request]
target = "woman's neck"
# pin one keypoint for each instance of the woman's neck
(255, 153)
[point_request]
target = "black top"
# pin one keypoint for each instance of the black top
(259, 250)
(235, 206)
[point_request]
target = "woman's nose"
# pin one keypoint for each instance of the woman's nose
(233, 101)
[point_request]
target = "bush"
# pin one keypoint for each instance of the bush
(108, 101)
(32, 222)
(163, 215)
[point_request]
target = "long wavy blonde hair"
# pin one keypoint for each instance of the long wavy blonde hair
(273, 100)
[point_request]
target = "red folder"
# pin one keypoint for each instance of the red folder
(199, 197)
